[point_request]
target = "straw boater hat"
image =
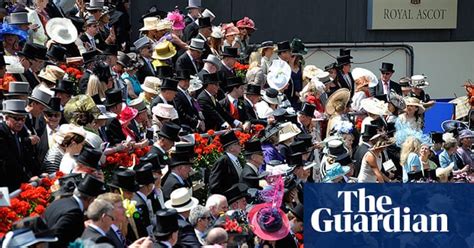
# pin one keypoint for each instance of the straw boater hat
(374, 106)
(150, 23)
(61, 30)
(163, 50)
(279, 74)
(52, 73)
(165, 111)
(413, 101)
(341, 95)
(288, 130)
(383, 142)
(164, 24)
(152, 85)
(181, 199)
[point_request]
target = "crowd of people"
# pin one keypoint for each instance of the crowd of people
(76, 89)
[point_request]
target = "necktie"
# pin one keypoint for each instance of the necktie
(121, 237)
(234, 111)
(385, 88)
(150, 66)
(17, 142)
(92, 42)
(237, 166)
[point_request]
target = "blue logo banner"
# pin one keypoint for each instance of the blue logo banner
(389, 215)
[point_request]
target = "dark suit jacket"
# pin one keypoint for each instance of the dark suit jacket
(214, 115)
(225, 103)
(184, 62)
(144, 71)
(250, 113)
(84, 81)
(226, 72)
(378, 89)
(43, 146)
(30, 77)
(344, 84)
(358, 155)
(223, 175)
(172, 183)
(155, 203)
(286, 242)
(188, 20)
(157, 100)
(188, 115)
(116, 242)
(186, 235)
(114, 132)
(163, 157)
(66, 220)
(248, 177)
(284, 150)
(99, 42)
(201, 74)
(96, 236)
(144, 220)
(190, 31)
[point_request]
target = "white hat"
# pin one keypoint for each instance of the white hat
(279, 74)
(152, 85)
(165, 111)
(361, 72)
(443, 173)
(419, 81)
(61, 30)
(311, 71)
(68, 128)
(93, 140)
(104, 114)
(208, 13)
(150, 23)
(375, 106)
(194, 84)
(288, 130)
(217, 32)
(181, 199)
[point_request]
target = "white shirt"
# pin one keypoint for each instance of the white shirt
(91, 39)
(385, 88)
(254, 168)
(166, 243)
(81, 205)
(50, 134)
(67, 163)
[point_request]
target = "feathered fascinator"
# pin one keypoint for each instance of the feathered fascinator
(7, 29)
(80, 104)
(404, 131)
(343, 127)
(273, 193)
(177, 19)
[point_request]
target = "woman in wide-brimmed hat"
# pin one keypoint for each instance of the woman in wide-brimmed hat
(371, 165)
(413, 113)
(336, 108)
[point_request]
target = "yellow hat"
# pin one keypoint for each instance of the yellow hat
(164, 50)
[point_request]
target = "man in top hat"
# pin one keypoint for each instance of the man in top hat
(284, 51)
(52, 117)
(57, 54)
(63, 215)
(194, 11)
(18, 90)
(369, 137)
(236, 196)
(143, 47)
(167, 136)
(180, 166)
(385, 84)
(229, 58)
(88, 57)
(100, 214)
(113, 103)
(94, 8)
(146, 181)
(32, 58)
(64, 90)
(168, 91)
(37, 103)
(227, 169)
(252, 96)
(305, 119)
(205, 30)
(88, 162)
(254, 160)
(215, 117)
(344, 77)
(90, 38)
(166, 231)
(156, 197)
(190, 59)
(232, 102)
(211, 65)
(15, 160)
(141, 122)
(187, 107)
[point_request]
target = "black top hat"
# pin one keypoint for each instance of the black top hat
(298, 147)
(234, 82)
(169, 84)
(387, 67)
(330, 66)
(290, 183)
(97, 100)
(211, 78)
(379, 122)
(89, 157)
(144, 175)
(95, 5)
(279, 115)
(124, 60)
(183, 75)
(124, 179)
(230, 52)
(54, 105)
(228, 138)
(267, 44)
(204, 22)
(177, 159)
(184, 148)
(283, 46)
(253, 89)
(18, 89)
(345, 52)
(308, 109)
(298, 210)
(164, 72)
(40, 96)
(170, 131)
(57, 52)
(307, 140)
(293, 118)
(68, 183)
(33, 51)
(166, 222)
(91, 186)
(65, 86)
(236, 192)
(110, 50)
(252, 146)
(113, 97)
(437, 137)
(369, 131)
(382, 97)
(89, 56)
(295, 160)
(153, 159)
(343, 60)
(336, 149)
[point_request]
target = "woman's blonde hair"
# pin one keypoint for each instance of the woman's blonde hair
(410, 145)
(95, 86)
(254, 60)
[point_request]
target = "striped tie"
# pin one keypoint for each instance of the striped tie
(122, 238)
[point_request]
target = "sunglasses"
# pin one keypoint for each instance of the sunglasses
(18, 118)
(57, 115)
(386, 73)
(207, 218)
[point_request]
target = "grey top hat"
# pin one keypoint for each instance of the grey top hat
(18, 89)
(18, 18)
(194, 4)
(141, 42)
(14, 106)
(197, 44)
(40, 96)
(211, 58)
(95, 5)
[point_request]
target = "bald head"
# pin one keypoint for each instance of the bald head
(216, 236)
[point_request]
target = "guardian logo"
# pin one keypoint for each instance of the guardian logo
(373, 215)
(426, 215)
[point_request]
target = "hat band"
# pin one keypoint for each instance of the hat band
(182, 204)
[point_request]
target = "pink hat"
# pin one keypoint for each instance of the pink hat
(177, 19)
(269, 223)
(127, 114)
(246, 23)
(230, 29)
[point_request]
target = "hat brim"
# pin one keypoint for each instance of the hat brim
(14, 113)
(135, 188)
(16, 94)
(345, 170)
(270, 100)
(39, 101)
(280, 234)
(421, 108)
(149, 90)
(176, 139)
(193, 203)
(340, 95)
